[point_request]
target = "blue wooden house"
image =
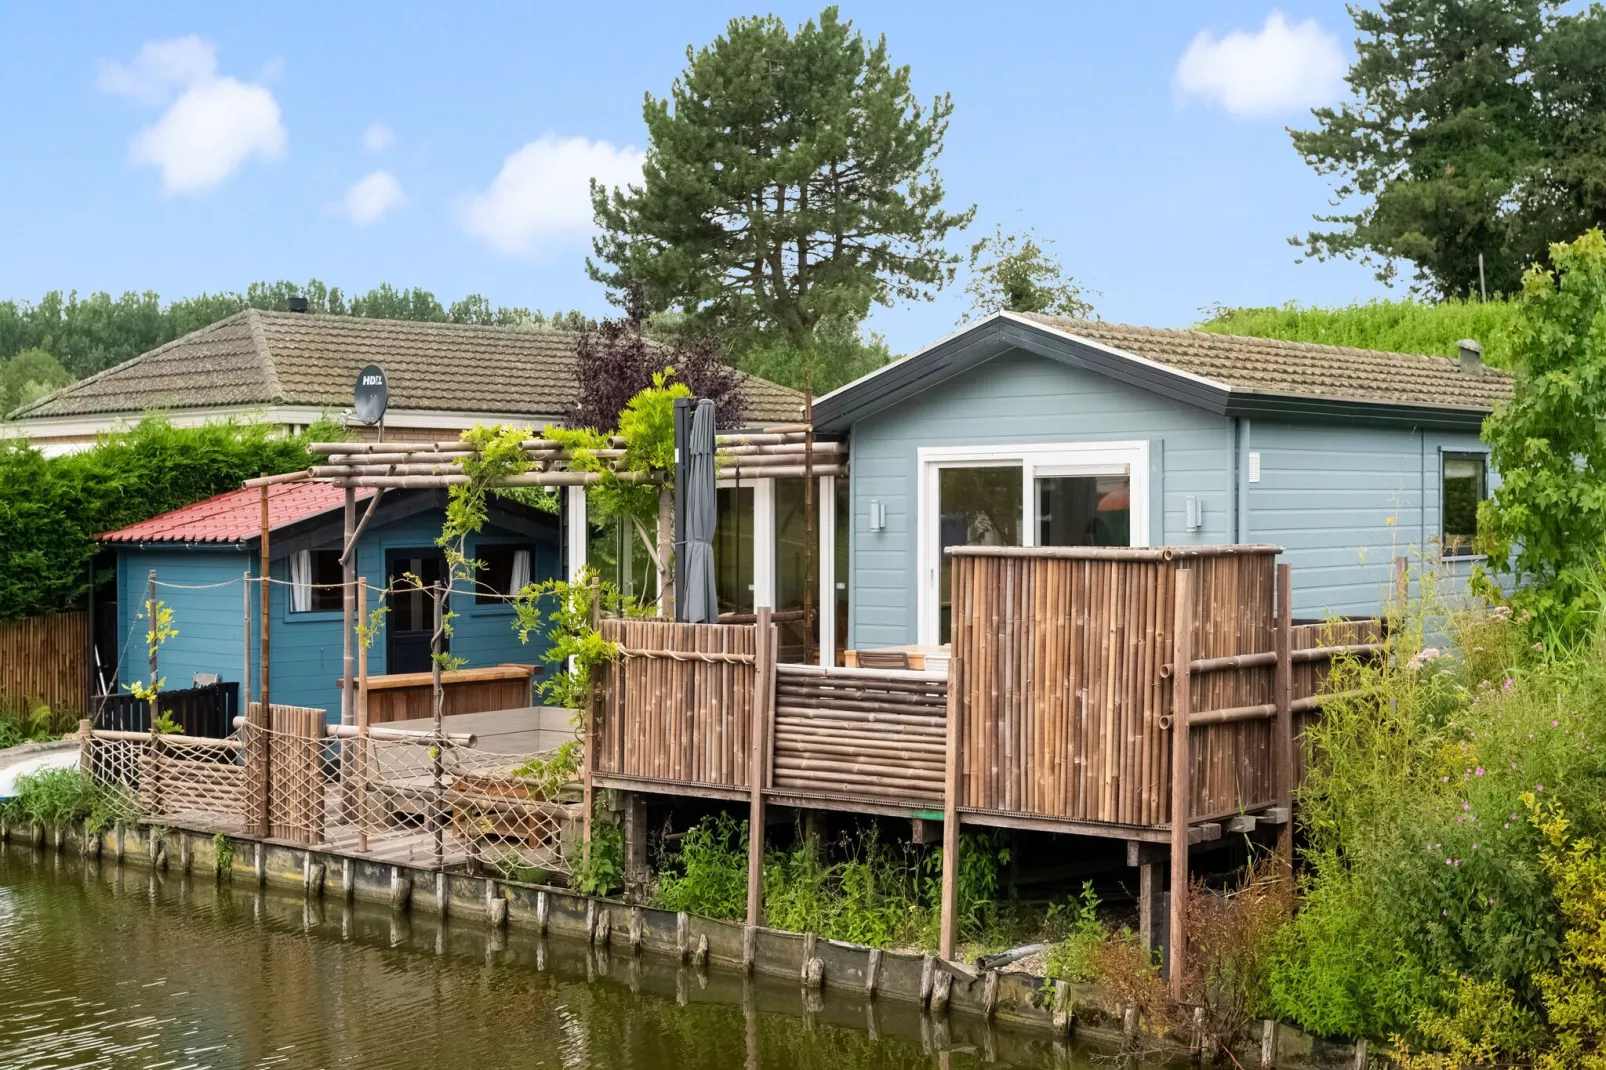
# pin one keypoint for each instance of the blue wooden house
(206, 561)
(1033, 430)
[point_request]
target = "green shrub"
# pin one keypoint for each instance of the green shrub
(708, 874)
(55, 506)
(873, 895)
(55, 797)
(602, 869)
(1075, 956)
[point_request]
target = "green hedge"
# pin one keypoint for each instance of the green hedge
(51, 508)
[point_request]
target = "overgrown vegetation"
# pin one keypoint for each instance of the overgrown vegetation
(1407, 326)
(34, 723)
(59, 797)
(55, 506)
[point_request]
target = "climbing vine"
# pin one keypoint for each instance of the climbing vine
(160, 617)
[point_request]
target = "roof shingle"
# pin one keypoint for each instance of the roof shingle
(263, 358)
(1300, 369)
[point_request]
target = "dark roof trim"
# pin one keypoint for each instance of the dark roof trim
(1001, 332)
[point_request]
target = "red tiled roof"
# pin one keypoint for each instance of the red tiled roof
(236, 515)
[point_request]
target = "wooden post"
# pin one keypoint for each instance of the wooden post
(1181, 786)
(150, 638)
(348, 609)
(245, 658)
(763, 679)
(438, 693)
(588, 751)
(1402, 589)
(666, 553)
(262, 669)
(362, 721)
(1283, 744)
(948, 926)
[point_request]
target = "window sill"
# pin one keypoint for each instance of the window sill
(1450, 559)
(292, 617)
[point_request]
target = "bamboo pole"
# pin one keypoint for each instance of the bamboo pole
(763, 675)
(362, 750)
(1283, 751)
(348, 611)
(588, 752)
(962, 637)
(264, 710)
(1181, 789)
(438, 695)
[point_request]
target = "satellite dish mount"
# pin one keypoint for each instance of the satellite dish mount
(371, 396)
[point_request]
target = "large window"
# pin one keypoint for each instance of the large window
(734, 527)
(1465, 484)
(1032, 495)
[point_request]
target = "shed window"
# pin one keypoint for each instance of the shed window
(1466, 483)
(505, 571)
(316, 580)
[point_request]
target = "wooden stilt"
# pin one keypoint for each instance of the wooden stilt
(1283, 749)
(948, 934)
(1181, 786)
(763, 692)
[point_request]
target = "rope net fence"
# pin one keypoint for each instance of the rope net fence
(388, 794)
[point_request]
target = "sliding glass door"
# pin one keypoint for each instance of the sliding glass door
(1036, 495)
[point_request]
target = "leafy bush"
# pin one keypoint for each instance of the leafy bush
(53, 507)
(1075, 956)
(872, 895)
(1429, 893)
(37, 724)
(708, 874)
(602, 869)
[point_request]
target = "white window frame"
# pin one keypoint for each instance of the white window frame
(1130, 458)
(763, 536)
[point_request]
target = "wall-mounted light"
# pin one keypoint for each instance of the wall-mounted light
(1195, 512)
(878, 515)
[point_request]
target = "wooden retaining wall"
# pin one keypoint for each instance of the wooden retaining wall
(46, 659)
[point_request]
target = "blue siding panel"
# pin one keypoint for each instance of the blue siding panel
(306, 648)
(1344, 501)
(1016, 398)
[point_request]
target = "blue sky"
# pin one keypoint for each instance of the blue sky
(187, 147)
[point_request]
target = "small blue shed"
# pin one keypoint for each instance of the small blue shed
(206, 562)
(1033, 430)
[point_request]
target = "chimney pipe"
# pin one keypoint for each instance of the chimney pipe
(299, 304)
(1471, 354)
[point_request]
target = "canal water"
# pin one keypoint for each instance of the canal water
(109, 966)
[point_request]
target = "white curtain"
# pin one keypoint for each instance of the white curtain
(520, 577)
(301, 581)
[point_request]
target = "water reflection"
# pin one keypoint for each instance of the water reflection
(107, 965)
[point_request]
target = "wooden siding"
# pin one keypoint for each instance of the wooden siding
(202, 588)
(1018, 398)
(45, 659)
(1345, 500)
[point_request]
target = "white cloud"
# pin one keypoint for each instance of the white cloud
(213, 126)
(543, 191)
(371, 198)
(1283, 68)
(159, 68)
(378, 136)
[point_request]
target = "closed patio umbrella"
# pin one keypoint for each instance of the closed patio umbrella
(700, 598)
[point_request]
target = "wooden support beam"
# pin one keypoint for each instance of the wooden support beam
(1151, 905)
(1283, 734)
(1181, 787)
(763, 696)
(948, 935)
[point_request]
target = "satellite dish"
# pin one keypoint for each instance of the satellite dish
(372, 394)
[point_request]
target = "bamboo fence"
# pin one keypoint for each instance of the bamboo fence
(677, 704)
(45, 659)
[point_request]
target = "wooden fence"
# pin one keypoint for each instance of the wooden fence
(46, 659)
(677, 706)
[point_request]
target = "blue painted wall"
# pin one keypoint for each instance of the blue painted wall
(1345, 500)
(1342, 499)
(1022, 398)
(306, 648)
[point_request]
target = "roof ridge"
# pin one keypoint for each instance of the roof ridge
(131, 362)
(348, 319)
(270, 370)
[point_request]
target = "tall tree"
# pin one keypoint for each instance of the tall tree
(790, 179)
(1476, 128)
(1019, 273)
